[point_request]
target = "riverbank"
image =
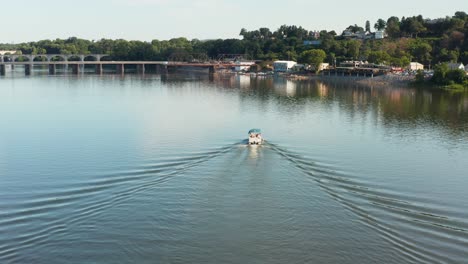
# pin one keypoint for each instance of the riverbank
(387, 79)
(429, 85)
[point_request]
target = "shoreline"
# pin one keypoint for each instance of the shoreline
(386, 79)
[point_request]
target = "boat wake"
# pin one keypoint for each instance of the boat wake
(45, 216)
(415, 226)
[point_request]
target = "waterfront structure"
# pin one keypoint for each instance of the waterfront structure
(78, 66)
(283, 66)
(321, 67)
(414, 66)
(324, 66)
(243, 65)
(356, 68)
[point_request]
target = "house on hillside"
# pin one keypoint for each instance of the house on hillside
(414, 66)
(379, 34)
(456, 66)
(356, 35)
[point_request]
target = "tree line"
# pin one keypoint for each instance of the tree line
(428, 41)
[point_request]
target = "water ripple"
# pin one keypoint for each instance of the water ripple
(86, 199)
(385, 211)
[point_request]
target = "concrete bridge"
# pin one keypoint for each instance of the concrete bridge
(6, 58)
(78, 66)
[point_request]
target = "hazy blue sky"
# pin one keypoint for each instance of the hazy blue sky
(30, 20)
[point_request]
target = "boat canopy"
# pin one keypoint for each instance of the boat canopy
(255, 131)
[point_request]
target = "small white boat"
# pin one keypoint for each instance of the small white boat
(255, 136)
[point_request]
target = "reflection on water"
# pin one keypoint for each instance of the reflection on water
(120, 169)
(253, 151)
(396, 106)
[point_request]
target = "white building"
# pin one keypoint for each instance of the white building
(379, 34)
(456, 66)
(414, 66)
(324, 66)
(283, 66)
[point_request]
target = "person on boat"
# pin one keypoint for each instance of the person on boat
(259, 137)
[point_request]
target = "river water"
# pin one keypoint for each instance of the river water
(154, 169)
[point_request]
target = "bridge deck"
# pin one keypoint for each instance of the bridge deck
(125, 63)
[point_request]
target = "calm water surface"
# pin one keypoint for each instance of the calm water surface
(155, 170)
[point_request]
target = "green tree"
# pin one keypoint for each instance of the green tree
(355, 28)
(421, 51)
(380, 24)
(464, 57)
(457, 76)
(313, 57)
(331, 58)
(416, 27)
(440, 74)
(419, 76)
(379, 57)
(393, 27)
(404, 61)
(367, 26)
(121, 49)
(412, 26)
(353, 47)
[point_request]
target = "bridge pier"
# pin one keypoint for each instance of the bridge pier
(161, 69)
(52, 69)
(28, 69)
(2, 69)
(120, 69)
(171, 69)
(75, 68)
(211, 70)
(99, 68)
(141, 69)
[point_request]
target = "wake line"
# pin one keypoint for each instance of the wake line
(44, 204)
(344, 189)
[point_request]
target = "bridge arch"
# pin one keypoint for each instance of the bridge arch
(57, 57)
(91, 57)
(16, 58)
(8, 58)
(108, 57)
(74, 57)
(40, 56)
